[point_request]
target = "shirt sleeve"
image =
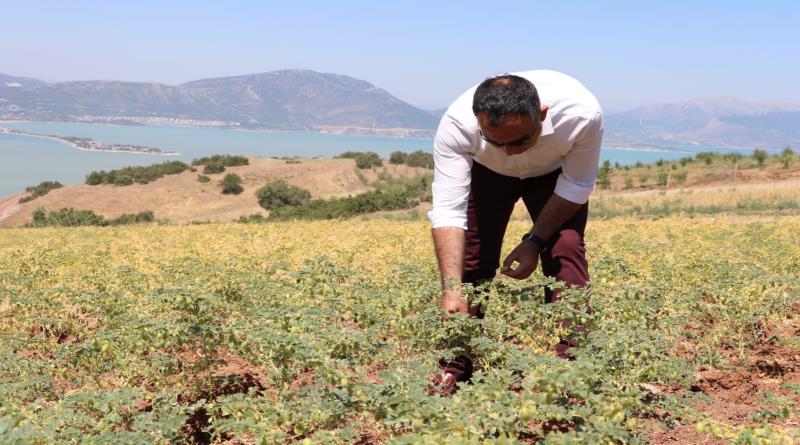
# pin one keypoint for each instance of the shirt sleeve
(452, 174)
(579, 169)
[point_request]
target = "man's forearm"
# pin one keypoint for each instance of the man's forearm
(555, 213)
(449, 245)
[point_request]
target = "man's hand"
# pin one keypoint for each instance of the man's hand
(452, 302)
(527, 255)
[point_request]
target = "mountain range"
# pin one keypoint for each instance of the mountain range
(309, 100)
(714, 121)
(286, 100)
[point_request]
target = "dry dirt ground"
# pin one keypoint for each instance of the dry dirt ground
(737, 396)
(182, 199)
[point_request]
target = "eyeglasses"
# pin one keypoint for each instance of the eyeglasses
(515, 143)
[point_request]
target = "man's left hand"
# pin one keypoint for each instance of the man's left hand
(526, 255)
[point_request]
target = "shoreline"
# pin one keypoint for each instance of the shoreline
(379, 132)
(68, 143)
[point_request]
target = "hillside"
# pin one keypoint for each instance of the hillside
(286, 99)
(716, 121)
(182, 199)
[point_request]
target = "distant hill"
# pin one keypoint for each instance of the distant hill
(309, 100)
(287, 99)
(709, 121)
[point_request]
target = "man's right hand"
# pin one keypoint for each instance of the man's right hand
(452, 302)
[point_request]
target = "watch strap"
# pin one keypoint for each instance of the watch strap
(539, 241)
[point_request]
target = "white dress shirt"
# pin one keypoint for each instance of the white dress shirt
(571, 137)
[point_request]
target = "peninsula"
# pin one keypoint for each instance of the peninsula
(87, 144)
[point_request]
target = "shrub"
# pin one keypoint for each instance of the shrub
(419, 158)
(68, 217)
(662, 177)
(133, 218)
(40, 190)
(138, 174)
(203, 178)
(787, 155)
(253, 218)
(224, 160)
(368, 202)
(628, 182)
(213, 168)
(760, 156)
(279, 194)
(706, 156)
(733, 157)
(391, 194)
(348, 155)
(369, 159)
(231, 184)
(398, 157)
(604, 175)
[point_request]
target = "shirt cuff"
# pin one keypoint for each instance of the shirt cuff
(572, 191)
(443, 218)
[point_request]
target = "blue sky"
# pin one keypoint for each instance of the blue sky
(424, 52)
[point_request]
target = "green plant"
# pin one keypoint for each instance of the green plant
(662, 177)
(760, 155)
(225, 160)
(420, 158)
(604, 175)
(40, 190)
(787, 156)
(203, 178)
(213, 168)
(139, 174)
(398, 157)
(68, 217)
(628, 181)
(369, 159)
(231, 184)
(277, 194)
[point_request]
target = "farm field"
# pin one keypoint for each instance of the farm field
(328, 332)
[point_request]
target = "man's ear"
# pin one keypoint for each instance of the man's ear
(543, 112)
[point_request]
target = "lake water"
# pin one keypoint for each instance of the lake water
(26, 161)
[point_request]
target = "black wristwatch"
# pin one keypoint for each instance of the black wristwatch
(535, 240)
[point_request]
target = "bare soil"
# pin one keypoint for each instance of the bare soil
(735, 397)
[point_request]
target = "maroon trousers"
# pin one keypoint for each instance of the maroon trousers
(491, 201)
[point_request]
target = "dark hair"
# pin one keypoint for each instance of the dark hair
(503, 95)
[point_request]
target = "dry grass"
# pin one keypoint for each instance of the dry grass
(182, 199)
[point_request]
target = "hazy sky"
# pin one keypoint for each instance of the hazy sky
(424, 52)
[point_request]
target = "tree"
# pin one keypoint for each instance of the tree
(787, 155)
(368, 160)
(604, 175)
(279, 194)
(760, 156)
(231, 184)
(419, 158)
(213, 167)
(398, 157)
